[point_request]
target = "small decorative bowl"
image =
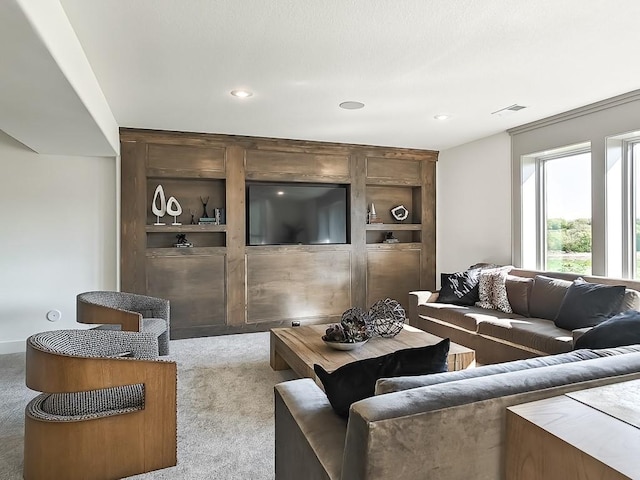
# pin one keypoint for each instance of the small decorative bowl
(344, 345)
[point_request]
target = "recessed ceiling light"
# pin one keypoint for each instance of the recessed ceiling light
(280, 192)
(442, 116)
(351, 105)
(241, 93)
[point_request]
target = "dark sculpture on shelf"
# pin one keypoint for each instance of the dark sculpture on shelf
(204, 201)
(182, 241)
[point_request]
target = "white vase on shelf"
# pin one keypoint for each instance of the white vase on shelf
(159, 204)
(174, 209)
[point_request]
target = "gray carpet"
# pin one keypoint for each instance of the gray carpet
(225, 409)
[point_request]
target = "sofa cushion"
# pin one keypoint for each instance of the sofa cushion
(463, 317)
(492, 290)
(459, 288)
(388, 385)
(588, 304)
(357, 380)
(630, 301)
(623, 329)
(546, 296)
(536, 333)
(518, 293)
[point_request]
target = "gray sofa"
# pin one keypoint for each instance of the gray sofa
(500, 337)
(443, 426)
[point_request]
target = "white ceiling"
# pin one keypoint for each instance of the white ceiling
(168, 64)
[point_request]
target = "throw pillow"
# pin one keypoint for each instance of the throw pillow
(459, 288)
(546, 296)
(630, 301)
(518, 292)
(588, 304)
(492, 290)
(618, 331)
(357, 380)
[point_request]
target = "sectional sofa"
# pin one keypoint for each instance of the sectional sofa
(441, 427)
(497, 336)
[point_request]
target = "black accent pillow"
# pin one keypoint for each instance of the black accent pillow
(587, 304)
(618, 331)
(460, 288)
(357, 380)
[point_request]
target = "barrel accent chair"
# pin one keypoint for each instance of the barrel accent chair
(109, 407)
(126, 311)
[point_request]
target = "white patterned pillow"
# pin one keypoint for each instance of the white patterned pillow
(493, 291)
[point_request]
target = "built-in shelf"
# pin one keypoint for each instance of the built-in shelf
(185, 228)
(394, 246)
(394, 226)
(184, 251)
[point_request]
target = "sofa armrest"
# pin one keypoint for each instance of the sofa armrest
(309, 435)
(578, 332)
(423, 296)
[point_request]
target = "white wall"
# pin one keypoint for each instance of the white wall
(474, 204)
(57, 239)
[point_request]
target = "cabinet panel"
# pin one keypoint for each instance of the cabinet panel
(307, 166)
(185, 161)
(392, 273)
(194, 284)
(387, 170)
(289, 285)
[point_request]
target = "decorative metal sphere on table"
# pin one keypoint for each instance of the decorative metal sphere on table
(387, 318)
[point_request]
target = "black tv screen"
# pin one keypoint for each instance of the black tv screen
(296, 214)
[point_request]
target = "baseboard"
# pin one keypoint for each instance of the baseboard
(16, 346)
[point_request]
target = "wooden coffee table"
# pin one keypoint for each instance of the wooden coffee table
(299, 348)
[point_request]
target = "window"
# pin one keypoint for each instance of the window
(557, 210)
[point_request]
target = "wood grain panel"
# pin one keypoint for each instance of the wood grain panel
(194, 284)
(392, 171)
(392, 274)
(559, 438)
(132, 217)
(358, 202)
(306, 166)
(428, 218)
(236, 278)
(185, 161)
(298, 285)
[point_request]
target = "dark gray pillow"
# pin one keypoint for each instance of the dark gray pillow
(518, 293)
(546, 296)
(459, 288)
(357, 380)
(618, 331)
(588, 304)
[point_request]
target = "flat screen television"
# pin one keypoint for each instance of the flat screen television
(296, 214)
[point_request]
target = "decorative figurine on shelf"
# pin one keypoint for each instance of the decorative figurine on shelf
(182, 241)
(174, 209)
(400, 213)
(372, 217)
(389, 238)
(204, 201)
(159, 204)
(193, 216)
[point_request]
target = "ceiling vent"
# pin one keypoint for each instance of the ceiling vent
(508, 110)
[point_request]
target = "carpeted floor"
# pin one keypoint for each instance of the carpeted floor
(225, 410)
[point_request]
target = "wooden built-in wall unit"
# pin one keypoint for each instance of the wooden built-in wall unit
(222, 285)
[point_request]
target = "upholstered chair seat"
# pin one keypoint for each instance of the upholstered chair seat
(126, 311)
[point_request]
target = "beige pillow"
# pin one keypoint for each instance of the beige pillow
(518, 293)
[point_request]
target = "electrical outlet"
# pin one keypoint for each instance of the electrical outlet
(54, 315)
